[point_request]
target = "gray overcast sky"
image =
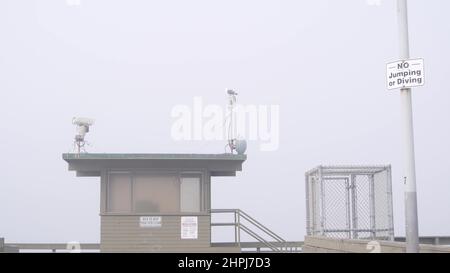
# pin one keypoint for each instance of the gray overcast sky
(128, 63)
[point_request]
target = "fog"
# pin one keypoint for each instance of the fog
(127, 64)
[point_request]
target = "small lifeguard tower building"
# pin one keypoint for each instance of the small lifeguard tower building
(156, 202)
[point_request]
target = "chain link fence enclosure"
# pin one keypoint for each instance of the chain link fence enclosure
(350, 202)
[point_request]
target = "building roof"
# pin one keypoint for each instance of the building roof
(92, 164)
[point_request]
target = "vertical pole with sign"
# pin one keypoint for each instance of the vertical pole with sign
(412, 230)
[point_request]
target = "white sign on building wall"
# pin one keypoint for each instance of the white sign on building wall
(189, 227)
(150, 221)
(405, 74)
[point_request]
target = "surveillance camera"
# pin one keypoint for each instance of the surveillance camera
(83, 121)
(231, 92)
(82, 128)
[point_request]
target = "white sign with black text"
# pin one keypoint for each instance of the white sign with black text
(405, 74)
(150, 221)
(189, 227)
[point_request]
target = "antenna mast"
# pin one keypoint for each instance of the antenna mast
(231, 128)
(236, 145)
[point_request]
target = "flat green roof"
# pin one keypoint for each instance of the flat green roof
(87, 164)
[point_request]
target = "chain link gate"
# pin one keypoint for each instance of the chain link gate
(350, 202)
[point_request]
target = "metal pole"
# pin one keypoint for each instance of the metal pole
(412, 230)
(308, 215)
(322, 203)
(373, 225)
(390, 204)
(239, 228)
(347, 208)
(235, 228)
(354, 207)
(2, 245)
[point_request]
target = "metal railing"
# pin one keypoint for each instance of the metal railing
(245, 223)
(63, 247)
(49, 247)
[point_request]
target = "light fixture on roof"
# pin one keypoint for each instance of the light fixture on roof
(83, 125)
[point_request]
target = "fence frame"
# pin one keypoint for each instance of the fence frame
(377, 186)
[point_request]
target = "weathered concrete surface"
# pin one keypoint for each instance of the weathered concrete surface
(7, 249)
(315, 244)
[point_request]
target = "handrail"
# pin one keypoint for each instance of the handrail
(239, 226)
(262, 227)
(259, 238)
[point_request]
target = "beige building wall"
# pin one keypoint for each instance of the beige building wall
(122, 231)
(124, 234)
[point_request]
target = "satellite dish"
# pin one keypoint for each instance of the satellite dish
(241, 146)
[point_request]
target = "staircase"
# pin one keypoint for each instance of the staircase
(265, 238)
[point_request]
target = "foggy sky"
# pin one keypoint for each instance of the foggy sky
(128, 63)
